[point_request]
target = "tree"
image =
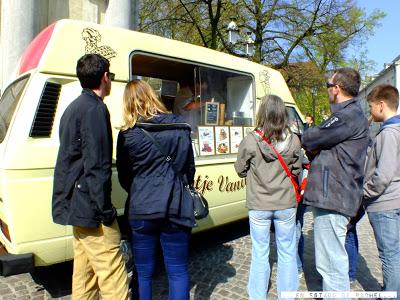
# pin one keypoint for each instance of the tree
(284, 30)
(195, 21)
(307, 85)
(286, 33)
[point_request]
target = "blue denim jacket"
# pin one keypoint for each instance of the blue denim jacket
(336, 175)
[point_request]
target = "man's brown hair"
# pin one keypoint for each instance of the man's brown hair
(386, 93)
(348, 79)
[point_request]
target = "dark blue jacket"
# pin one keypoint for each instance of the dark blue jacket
(155, 190)
(82, 175)
(336, 175)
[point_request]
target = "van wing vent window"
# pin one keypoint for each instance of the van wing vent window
(44, 117)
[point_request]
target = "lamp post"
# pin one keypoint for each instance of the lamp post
(234, 38)
(135, 14)
(313, 95)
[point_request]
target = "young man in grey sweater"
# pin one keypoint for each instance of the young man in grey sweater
(382, 183)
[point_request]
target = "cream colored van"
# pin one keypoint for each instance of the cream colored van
(32, 105)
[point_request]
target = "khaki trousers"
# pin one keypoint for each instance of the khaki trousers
(98, 264)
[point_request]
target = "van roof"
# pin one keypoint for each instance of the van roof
(58, 47)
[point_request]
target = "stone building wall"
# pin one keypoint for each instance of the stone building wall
(22, 20)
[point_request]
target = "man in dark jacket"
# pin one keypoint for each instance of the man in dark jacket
(82, 186)
(335, 179)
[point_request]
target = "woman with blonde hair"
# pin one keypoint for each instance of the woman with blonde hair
(270, 196)
(154, 162)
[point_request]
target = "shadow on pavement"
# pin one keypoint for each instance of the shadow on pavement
(364, 276)
(206, 276)
(55, 279)
(209, 261)
(312, 278)
(313, 281)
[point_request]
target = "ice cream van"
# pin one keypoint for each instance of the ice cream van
(32, 104)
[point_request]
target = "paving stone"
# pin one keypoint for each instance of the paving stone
(20, 287)
(219, 268)
(6, 291)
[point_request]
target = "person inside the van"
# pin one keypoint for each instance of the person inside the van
(187, 102)
(154, 162)
(270, 196)
(82, 186)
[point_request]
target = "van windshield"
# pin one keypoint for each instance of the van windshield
(8, 104)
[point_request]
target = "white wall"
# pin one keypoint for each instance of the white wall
(390, 75)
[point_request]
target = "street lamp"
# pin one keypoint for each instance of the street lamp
(233, 32)
(249, 45)
(313, 95)
(235, 38)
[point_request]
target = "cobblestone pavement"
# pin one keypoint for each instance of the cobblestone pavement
(219, 268)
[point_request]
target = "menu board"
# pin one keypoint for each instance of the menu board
(222, 139)
(219, 140)
(236, 136)
(211, 113)
(206, 140)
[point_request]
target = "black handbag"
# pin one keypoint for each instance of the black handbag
(200, 204)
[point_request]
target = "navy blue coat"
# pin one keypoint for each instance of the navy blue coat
(335, 179)
(82, 175)
(155, 191)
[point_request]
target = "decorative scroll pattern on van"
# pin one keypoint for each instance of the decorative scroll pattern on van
(264, 79)
(92, 37)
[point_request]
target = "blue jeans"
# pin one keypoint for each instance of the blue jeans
(386, 226)
(285, 235)
(301, 209)
(330, 253)
(146, 234)
(351, 244)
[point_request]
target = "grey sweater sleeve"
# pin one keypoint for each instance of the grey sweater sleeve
(387, 160)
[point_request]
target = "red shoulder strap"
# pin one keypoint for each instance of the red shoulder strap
(284, 166)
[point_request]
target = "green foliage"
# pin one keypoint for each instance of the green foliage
(286, 33)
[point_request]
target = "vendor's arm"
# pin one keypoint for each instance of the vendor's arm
(192, 105)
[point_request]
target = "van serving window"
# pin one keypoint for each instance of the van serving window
(217, 103)
(8, 104)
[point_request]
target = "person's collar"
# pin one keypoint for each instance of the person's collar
(393, 120)
(339, 106)
(92, 93)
